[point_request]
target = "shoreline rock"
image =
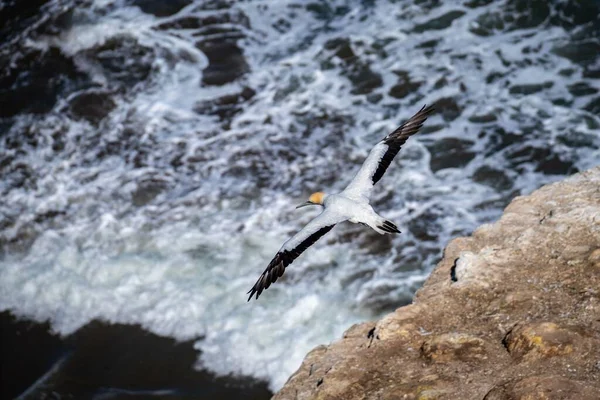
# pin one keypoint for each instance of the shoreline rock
(511, 312)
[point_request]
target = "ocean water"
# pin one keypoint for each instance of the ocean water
(152, 155)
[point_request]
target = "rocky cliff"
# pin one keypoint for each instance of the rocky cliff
(512, 312)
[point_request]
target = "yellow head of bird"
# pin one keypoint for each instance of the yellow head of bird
(315, 199)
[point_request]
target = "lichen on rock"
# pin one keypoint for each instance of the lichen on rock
(511, 312)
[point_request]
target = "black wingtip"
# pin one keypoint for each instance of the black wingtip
(428, 109)
(388, 230)
(389, 227)
(254, 290)
(275, 269)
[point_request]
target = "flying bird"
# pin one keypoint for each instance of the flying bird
(352, 204)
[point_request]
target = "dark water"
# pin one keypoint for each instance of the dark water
(103, 361)
(152, 152)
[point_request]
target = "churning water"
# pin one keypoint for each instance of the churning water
(152, 153)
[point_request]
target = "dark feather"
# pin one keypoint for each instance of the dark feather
(282, 259)
(389, 227)
(396, 139)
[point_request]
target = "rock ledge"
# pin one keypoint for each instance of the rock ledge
(512, 312)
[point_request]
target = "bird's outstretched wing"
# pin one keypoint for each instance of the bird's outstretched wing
(291, 249)
(381, 156)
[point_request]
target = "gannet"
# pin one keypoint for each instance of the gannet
(352, 204)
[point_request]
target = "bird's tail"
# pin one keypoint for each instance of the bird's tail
(387, 226)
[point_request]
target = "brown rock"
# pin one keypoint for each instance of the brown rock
(545, 339)
(544, 388)
(594, 259)
(511, 312)
(450, 347)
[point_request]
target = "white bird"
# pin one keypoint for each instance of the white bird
(352, 204)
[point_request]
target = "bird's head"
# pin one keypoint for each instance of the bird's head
(315, 199)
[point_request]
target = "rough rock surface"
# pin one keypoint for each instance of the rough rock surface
(512, 312)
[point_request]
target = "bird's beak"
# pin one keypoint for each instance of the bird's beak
(308, 203)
